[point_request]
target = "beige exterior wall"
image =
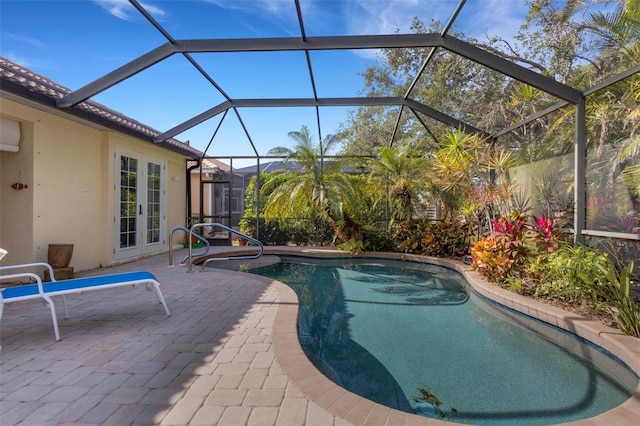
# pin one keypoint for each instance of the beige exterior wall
(70, 171)
(195, 193)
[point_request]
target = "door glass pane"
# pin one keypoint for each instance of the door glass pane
(153, 203)
(128, 201)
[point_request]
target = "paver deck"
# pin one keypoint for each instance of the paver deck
(228, 355)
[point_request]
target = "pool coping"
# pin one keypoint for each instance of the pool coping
(358, 410)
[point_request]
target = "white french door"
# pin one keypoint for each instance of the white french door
(140, 205)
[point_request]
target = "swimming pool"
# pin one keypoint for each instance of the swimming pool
(386, 330)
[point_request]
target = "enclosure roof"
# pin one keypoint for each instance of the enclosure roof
(183, 66)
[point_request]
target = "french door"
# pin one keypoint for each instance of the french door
(140, 205)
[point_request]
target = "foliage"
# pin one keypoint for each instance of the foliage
(584, 276)
(498, 258)
(624, 307)
(427, 396)
(580, 276)
(575, 43)
(454, 166)
(270, 231)
(194, 220)
(548, 234)
(320, 190)
(297, 231)
(446, 239)
(352, 246)
(401, 172)
(506, 253)
(377, 238)
(407, 236)
(557, 275)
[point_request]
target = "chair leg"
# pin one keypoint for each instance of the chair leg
(161, 298)
(64, 303)
(53, 316)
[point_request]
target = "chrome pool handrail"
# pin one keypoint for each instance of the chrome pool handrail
(190, 234)
(234, 232)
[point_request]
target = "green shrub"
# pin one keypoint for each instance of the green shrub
(407, 235)
(559, 275)
(447, 239)
(376, 238)
(352, 246)
(616, 292)
(270, 231)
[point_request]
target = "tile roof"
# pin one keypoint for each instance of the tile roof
(26, 84)
(210, 164)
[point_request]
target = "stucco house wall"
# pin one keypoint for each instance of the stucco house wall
(69, 168)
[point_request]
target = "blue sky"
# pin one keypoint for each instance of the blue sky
(76, 42)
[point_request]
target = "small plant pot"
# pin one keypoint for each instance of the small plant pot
(59, 255)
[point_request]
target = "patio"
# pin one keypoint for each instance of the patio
(122, 361)
(227, 355)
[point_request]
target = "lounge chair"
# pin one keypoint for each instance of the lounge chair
(60, 288)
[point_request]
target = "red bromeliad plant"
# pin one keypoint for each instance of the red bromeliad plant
(545, 229)
(509, 227)
(547, 233)
(514, 226)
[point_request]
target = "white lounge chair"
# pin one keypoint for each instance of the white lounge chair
(76, 285)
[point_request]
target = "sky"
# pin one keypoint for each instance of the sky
(75, 42)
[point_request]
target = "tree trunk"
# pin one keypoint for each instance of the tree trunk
(346, 229)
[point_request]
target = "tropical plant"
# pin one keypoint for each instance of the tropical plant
(447, 238)
(557, 276)
(453, 169)
(547, 233)
(496, 258)
(352, 246)
(616, 291)
(506, 253)
(377, 238)
(501, 190)
(320, 190)
(626, 309)
(401, 172)
(407, 236)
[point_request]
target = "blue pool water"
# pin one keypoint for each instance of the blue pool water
(385, 330)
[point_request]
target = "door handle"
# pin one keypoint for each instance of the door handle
(140, 209)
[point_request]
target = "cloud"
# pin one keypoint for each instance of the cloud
(258, 7)
(124, 10)
(27, 41)
(277, 12)
(493, 18)
(27, 48)
(389, 17)
(19, 59)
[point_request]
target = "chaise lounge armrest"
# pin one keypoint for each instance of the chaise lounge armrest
(75, 285)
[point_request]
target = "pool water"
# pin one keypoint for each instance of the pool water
(410, 336)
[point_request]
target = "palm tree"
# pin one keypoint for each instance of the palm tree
(320, 190)
(454, 167)
(402, 173)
